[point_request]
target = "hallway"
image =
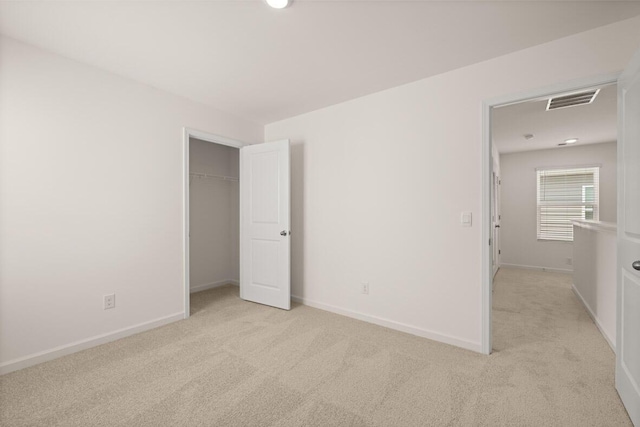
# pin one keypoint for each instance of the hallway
(549, 355)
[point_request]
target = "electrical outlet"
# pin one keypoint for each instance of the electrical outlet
(364, 288)
(569, 261)
(109, 301)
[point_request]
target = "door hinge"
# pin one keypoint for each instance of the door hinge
(499, 182)
(499, 252)
(489, 242)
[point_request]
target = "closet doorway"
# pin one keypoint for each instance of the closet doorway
(213, 214)
(237, 218)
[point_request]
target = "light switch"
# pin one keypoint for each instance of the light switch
(465, 219)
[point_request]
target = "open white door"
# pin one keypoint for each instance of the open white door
(628, 290)
(264, 224)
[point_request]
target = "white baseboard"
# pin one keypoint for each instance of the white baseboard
(595, 318)
(447, 339)
(54, 353)
(201, 288)
(535, 267)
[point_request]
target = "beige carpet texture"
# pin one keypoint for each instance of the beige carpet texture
(235, 363)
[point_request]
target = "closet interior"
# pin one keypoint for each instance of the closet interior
(214, 211)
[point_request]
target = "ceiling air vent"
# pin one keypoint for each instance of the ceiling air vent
(572, 100)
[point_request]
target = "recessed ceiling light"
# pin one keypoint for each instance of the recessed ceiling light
(571, 140)
(278, 4)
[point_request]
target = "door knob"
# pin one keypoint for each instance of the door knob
(283, 233)
(636, 265)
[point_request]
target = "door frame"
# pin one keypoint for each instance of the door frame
(187, 134)
(487, 172)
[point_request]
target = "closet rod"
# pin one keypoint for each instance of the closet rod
(206, 175)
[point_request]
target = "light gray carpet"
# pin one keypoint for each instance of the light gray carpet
(235, 363)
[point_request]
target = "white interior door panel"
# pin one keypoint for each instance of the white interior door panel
(264, 224)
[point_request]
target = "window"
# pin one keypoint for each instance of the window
(564, 195)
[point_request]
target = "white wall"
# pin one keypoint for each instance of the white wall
(594, 275)
(213, 216)
(519, 243)
(91, 194)
(379, 183)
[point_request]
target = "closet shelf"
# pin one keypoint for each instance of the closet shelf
(206, 175)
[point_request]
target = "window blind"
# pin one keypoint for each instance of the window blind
(564, 195)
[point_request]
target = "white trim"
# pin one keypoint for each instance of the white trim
(188, 133)
(402, 327)
(185, 219)
(594, 318)
(536, 267)
(74, 347)
(217, 139)
(554, 89)
(206, 286)
(487, 232)
(487, 105)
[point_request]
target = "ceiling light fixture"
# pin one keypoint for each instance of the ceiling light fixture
(528, 136)
(278, 4)
(571, 140)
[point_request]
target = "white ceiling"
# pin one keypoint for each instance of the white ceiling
(264, 64)
(591, 124)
